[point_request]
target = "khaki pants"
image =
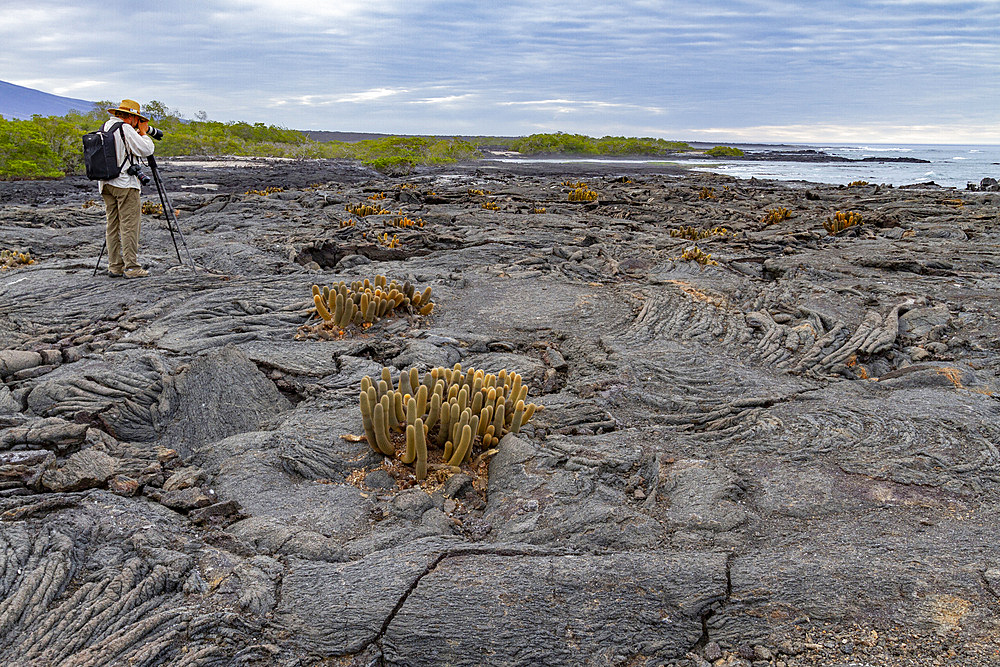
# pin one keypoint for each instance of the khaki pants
(124, 215)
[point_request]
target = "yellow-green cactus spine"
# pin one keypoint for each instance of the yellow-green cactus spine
(397, 406)
(421, 450)
(321, 308)
(410, 455)
(382, 431)
(435, 411)
(515, 422)
(368, 422)
(462, 449)
(421, 399)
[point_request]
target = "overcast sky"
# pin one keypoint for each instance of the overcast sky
(714, 70)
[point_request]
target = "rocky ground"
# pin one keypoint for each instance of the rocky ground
(789, 457)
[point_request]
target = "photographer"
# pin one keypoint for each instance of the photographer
(121, 194)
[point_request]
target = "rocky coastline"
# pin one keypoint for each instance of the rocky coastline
(763, 441)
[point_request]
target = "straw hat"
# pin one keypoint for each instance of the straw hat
(129, 107)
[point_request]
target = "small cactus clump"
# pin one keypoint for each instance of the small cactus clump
(490, 206)
(773, 216)
(364, 302)
(377, 197)
(89, 203)
(10, 259)
(857, 184)
(582, 194)
(538, 210)
(361, 210)
(576, 185)
(266, 191)
(707, 193)
(693, 234)
(695, 254)
(150, 208)
(404, 221)
(386, 242)
(841, 221)
(459, 412)
(479, 192)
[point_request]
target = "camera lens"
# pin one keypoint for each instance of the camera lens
(155, 133)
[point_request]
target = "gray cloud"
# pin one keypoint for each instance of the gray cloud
(669, 68)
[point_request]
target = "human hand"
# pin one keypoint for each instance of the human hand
(143, 127)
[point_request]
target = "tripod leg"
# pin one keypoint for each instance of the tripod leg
(165, 203)
(98, 265)
(168, 212)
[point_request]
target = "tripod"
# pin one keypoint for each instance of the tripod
(168, 213)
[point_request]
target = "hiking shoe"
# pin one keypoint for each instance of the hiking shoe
(112, 274)
(136, 273)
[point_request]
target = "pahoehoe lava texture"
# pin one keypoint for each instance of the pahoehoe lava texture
(788, 458)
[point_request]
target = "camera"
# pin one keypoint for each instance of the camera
(154, 133)
(136, 170)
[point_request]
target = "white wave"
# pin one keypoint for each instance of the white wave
(880, 149)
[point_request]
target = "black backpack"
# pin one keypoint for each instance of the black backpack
(100, 157)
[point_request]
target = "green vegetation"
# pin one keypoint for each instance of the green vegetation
(24, 153)
(49, 146)
(724, 151)
(401, 154)
(578, 144)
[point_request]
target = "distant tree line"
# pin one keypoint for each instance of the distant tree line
(50, 146)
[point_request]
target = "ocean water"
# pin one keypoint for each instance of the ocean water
(949, 166)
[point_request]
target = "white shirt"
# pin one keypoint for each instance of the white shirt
(137, 145)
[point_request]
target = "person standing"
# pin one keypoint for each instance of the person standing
(121, 194)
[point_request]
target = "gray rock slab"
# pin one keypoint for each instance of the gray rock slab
(556, 610)
(220, 394)
(302, 357)
(553, 497)
(340, 608)
(264, 489)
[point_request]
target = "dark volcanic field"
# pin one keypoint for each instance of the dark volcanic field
(790, 458)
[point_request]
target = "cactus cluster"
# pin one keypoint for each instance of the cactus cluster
(404, 221)
(857, 184)
(455, 410)
(707, 193)
(384, 240)
(490, 206)
(361, 210)
(266, 191)
(693, 234)
(480, 192)
(695, 254)
(348, 223)
(377, 196)
(841, 221)
(582, 194)
(773, 216)
(89, 203)
(151, 208)
(538, 209)
(10, 259)
(574, 184)
(363, 302)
